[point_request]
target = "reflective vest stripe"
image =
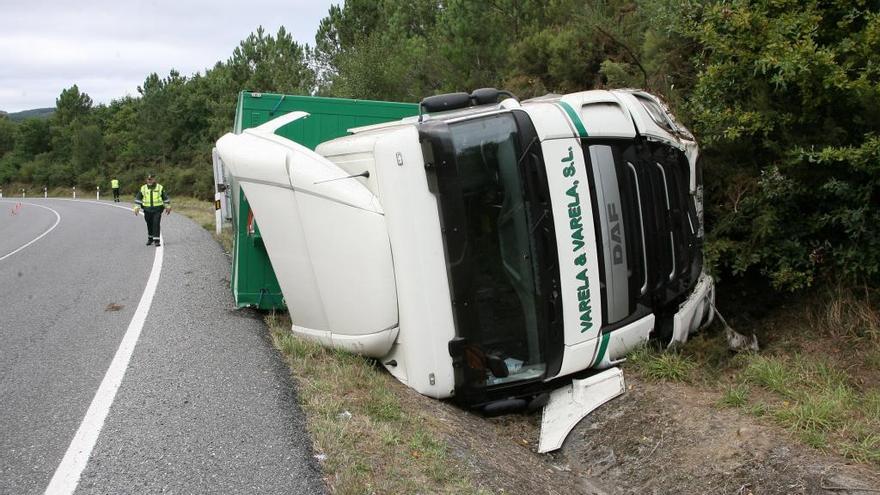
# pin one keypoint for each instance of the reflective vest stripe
(152, 197)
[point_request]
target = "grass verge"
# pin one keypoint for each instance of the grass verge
(659, 365)
(202, 212)
(366, 441)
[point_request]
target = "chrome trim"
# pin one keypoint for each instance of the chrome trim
(668, 209)
(472, 116)
(613, 232)
(632, 169)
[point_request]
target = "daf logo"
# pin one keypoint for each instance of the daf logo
(614, 231)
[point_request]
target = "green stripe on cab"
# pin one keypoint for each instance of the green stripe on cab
(603, 347)
(575, 118)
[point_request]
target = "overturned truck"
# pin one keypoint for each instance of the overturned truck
(487, 246)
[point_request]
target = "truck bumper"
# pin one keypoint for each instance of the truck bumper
(696, 312)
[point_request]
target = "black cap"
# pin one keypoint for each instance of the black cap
(151, 176)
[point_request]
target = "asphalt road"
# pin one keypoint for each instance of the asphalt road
(205, 405)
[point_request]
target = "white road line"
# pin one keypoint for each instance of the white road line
(66, 477)
(57, 221)
(103, 203)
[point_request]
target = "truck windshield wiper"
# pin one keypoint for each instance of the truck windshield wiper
(539, 221)
(526, 151)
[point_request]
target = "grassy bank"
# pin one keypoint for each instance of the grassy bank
(366, 441)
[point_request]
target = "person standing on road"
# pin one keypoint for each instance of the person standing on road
(114, 184)
(153, 199)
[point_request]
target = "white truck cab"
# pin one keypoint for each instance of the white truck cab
(485, 248)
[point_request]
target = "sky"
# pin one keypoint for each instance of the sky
(108, 47)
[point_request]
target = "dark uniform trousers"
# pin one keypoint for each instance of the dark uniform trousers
(153, 217)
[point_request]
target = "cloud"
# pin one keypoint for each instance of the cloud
(107, 48)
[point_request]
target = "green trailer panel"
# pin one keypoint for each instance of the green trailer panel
(253, 281)
(329, 118)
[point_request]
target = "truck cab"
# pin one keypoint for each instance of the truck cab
(485, 248)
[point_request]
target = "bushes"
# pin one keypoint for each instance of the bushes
(783, 96)
(786, 104)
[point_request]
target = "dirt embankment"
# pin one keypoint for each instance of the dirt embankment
(657, 438)
(672, 438)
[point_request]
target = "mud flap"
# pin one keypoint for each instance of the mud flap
(570, 404)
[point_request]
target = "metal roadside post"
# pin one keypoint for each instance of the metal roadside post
(220, 205)
(45, 192)
(217, 216)
(253, 280)
(74, 192)
(98, 194)
(22, 192)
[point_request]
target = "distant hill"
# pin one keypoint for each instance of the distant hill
(36, 113)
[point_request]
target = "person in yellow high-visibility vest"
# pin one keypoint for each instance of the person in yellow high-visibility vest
(114, 184)
(154, 200)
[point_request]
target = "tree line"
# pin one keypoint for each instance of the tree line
(783, 96)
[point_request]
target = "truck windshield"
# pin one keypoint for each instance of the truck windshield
(500, 245)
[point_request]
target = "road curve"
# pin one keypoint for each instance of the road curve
(205, 406)
(20, 221)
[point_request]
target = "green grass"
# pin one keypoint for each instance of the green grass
(770, 373)
(865, 448)
(871, 404)
(735, 396)
(815, 413)
(815, 439)
(812, 397)
(710, 351)
(659, 365)
(758, 410)
(200, 211)
(872, 358)
(384, 406)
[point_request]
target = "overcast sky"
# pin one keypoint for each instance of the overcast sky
(108, 47)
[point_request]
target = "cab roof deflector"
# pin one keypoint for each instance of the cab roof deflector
(277, 123)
